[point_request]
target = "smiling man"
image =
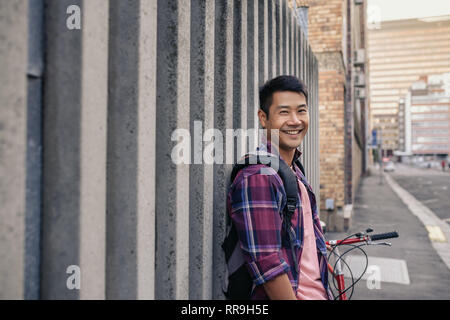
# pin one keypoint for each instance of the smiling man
(279, 267)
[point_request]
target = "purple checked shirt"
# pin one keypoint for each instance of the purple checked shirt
(254, 204)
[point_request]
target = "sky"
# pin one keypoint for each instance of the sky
(407, 9)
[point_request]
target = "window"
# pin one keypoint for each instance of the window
(430, 124)
(429, 108)
(429, 116)
(431, 139)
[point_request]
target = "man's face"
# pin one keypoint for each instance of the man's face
(289, 114)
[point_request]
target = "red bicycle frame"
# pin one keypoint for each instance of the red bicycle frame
(338, 273)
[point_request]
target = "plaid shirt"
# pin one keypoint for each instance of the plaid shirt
(254, 204)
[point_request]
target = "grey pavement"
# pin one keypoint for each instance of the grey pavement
(429, 186)
(377, 206)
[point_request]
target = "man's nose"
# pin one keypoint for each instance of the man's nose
(294, 119)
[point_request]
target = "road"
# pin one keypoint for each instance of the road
(429, 186)
(411, 268)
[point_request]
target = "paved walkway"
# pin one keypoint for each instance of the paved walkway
(378, 206)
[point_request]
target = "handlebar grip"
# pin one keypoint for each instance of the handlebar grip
(383, 236)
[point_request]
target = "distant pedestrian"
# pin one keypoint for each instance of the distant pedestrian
(443, 165)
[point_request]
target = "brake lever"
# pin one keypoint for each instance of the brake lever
(381, 244)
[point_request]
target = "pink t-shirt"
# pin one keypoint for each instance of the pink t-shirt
(310, 285)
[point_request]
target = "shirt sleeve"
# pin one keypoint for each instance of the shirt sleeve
(255, 211)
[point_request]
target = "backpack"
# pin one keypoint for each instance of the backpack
(238, 284)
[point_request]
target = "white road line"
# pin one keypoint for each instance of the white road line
(438, 230)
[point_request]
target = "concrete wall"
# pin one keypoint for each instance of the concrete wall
(109, 99)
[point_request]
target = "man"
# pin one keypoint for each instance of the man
(255, 200)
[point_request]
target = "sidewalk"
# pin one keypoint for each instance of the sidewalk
(378, 207)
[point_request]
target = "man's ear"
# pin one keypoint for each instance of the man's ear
(262, 118)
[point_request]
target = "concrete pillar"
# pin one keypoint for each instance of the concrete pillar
(130, 269)
(201, 173)
(287, 36)
(35, 74)
(172, 180)
(296, 46)
(292, 28)
(13, 130)
(223, 119)
(263, 43)
(256, 16)
(240, 94)
(74, 176)
(278, 39)
(251, 62)
(271, 35)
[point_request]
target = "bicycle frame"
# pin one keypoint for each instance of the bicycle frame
(359, 237)
(338, 273)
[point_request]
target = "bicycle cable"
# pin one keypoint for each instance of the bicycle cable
(362, 274)
(334, 282)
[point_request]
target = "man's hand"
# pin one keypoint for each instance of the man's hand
(280, 288)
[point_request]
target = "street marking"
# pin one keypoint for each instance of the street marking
(435, 234)
(391, 270)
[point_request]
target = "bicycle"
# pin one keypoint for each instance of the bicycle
(352, 240)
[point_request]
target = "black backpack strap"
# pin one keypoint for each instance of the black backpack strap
(299, 164)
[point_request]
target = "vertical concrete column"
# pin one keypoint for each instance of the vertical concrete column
(292, 28)
(13, 130)
(297, 36)
(256, 16)
(263, 43)
(223, 119)
(273, 56)
(172, 172)
(240, 80)
(74, 176)
(282, 51)
(130, 270)
(244, 43)
(278, 39)
(287, 36)
(201, 172)
(33, 215)
(251, 62)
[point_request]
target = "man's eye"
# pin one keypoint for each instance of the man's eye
(284, 112)
(302, 110)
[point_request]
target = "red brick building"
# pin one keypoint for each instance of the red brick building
(336, 33)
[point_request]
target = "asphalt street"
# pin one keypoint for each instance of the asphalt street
(429, 186)
(424, 274)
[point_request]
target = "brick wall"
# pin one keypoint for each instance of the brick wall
(325, 32)
(331, 136)
(325, 18)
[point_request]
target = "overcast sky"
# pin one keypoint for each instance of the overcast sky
(407, 9)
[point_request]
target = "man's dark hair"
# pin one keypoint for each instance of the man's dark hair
(281, 83)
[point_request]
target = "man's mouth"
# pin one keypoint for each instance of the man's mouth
(292, 132)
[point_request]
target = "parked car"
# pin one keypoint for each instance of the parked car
(389, 166)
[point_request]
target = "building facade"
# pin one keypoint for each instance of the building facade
(427, 110)
(399, 53)
(336, 32)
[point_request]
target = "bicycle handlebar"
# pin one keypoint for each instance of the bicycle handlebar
(382, 236)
